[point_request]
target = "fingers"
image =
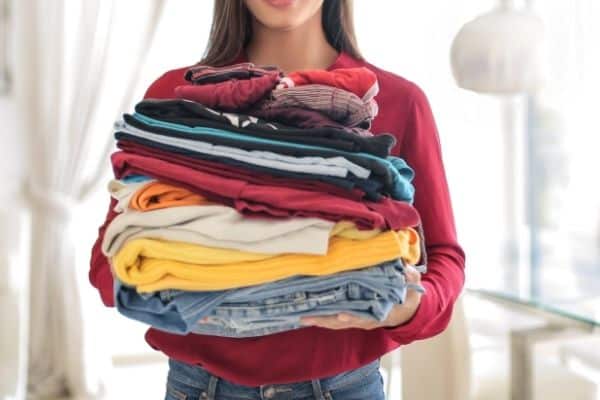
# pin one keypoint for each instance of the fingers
(413, 297)
(340, 321)
(357, 322)
(330, 322)
(411, 274)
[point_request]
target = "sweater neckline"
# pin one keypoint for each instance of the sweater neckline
(343, 60)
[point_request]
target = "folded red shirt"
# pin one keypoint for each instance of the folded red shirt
(272, 201)
(232, 95)
(361, 81)
(225, 170)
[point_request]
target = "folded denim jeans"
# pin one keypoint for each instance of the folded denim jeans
(269, 308)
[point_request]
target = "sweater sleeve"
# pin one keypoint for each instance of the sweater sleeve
(444, 278)
(158, 88)
(100, 274)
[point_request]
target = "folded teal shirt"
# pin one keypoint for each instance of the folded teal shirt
(394, 172)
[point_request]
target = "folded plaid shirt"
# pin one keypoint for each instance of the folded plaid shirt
(338, 104)
(202, 74)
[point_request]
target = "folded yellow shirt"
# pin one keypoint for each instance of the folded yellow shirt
(348, 230)
(152, 265)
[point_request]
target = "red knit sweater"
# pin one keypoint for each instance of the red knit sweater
(312, 352)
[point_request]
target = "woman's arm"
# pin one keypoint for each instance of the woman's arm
(100, 274)
(444, 279)
(421, 316)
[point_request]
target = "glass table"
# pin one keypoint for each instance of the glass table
(563, 318)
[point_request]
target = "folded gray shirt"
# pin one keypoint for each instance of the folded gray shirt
(330, 166)
(214, 226)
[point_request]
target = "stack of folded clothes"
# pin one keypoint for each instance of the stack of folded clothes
(254, 199)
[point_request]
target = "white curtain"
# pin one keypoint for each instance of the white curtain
(59, 79)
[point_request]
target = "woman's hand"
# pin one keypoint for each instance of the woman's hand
(399, 314)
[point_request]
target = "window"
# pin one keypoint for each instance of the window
(563, 198)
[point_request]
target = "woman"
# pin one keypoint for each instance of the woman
(334, 357)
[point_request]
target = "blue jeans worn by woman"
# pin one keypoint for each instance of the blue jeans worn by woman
(189, 382)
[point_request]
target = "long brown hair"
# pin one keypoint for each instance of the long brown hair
(231, 30)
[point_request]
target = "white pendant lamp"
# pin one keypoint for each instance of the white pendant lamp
(501, 52)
